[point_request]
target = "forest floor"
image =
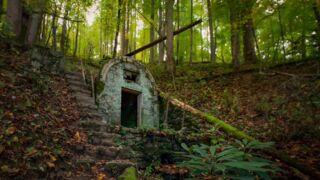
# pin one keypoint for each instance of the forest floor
(281, 105)
(37, 115)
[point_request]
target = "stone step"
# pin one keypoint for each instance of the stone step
(88, 105)
(103, 152)
(74, 76)
(101, 141)
(84, 98)
(78, 84)
(116, 167)
(104, 135)
(93, 114)
(75, 88)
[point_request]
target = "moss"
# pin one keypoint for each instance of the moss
(129, 174)
(99, 86)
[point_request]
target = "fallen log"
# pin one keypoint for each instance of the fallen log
(233, 131)
(163, 38)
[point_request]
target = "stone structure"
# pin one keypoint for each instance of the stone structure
(129, 96)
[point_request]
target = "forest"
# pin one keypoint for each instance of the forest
(159, 89)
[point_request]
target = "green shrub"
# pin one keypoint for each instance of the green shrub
(228, 161)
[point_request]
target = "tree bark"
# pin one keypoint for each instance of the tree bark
(34, 23)
(1, 9)
(162, 33)
(248, 38)
(64, 29)
(235, 33)
(76, 42)
(14, 16)
(316, 11)
(124, 47)
(191, 33)
(54, 29)
(117, 30)
(211, 33)
(177, 38)
(152, 31)
(169, 19)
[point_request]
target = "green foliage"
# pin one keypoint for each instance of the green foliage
(228, 161)
(5, 31)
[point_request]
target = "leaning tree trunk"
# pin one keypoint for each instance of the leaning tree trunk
(248, 35)
(211, 34)
(14, 16)
(235, 33)
(169, 19)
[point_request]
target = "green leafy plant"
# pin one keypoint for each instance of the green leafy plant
(228, 161)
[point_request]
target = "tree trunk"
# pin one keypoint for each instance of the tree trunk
(177, 38)
(162, 33)
(235, 33)
(34, 23)
(152, 31)
(282, 33)
(54, 30)
(169, 19)
(77, 39)
(124, 29)
(14, 16)
(64, 30)
(211, 33)
(191, 32)
(1, 9)
(117, 30)
(248, 38)
(316, 11)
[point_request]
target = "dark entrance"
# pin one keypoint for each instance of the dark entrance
(129, 108)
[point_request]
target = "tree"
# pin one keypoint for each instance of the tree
(191, 32)
(235, 32)
(211, 33)
(152, 31)
(169, 20)
(14, 16)
(248, 31)
(162, 33)
(117, 29)
(64, 27)
(35, 22)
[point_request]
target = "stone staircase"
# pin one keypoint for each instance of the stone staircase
(101, 147)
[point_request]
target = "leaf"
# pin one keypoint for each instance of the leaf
(11, 130)
(4, 168)
(31, 152)
(53, 158)
(185, 147)
(50, 164)
(249, 166)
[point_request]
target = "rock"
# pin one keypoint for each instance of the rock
(116, 167)
(129, 174)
